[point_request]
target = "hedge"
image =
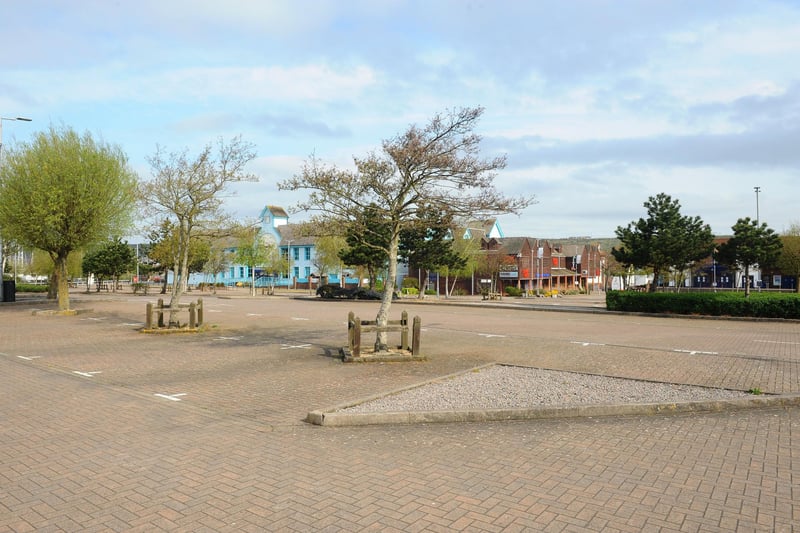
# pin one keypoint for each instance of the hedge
(31, 287)
(759, 304)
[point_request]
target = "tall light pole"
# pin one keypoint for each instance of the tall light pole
(24, 119)
(758, 190)
(289, 264)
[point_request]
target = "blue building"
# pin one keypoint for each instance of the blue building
(275, 230)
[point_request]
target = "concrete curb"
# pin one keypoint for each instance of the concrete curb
(336, 417)
(339, 419)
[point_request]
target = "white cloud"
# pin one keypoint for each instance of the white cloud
(598, 104)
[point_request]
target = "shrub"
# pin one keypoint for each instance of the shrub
(30, 287)
(513, 291)
(410, 283)
(759, 305)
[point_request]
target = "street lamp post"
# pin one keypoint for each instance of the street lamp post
(289, 264)
(758, 190)
(539, 267)
(24, 119)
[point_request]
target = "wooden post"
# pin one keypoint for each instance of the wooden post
(192, 315)
(356, 350)
(148, 319)
(350, 329)
(404, 331)
(415, 336)
(199, 312)
(161, 312)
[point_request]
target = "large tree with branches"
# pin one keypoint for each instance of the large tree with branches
(63, 192)
(752, 244)
(664, 240)
(189, 192)
(438, 166)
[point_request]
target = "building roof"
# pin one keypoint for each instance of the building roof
(290, 234)
(277, 212)
(512, 245)
(478, 229)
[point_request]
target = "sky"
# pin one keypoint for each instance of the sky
(598, 105)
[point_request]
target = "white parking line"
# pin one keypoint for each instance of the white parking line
(87, 374)
(490, 335)
(299, 318)
(28, 357)
(171, 397)
(288, 346)
(582, 343)
(776, 342)
(696, 352)
(228, 338)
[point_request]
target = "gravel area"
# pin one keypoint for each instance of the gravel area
(505, 387)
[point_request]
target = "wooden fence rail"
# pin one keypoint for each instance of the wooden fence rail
(356, 326)
(195, 314)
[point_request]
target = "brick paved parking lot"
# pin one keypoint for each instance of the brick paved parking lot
(103, 428)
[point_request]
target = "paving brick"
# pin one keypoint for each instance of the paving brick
(104, 453)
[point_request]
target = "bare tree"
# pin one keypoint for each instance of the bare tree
(190, 193)
(436, 166)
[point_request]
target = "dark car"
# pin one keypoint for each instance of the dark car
(341, 293)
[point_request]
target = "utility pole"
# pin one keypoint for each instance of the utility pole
(758, 190)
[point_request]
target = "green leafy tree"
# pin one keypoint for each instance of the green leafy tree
(428, 245)
(789, 261)
(252, 253)
(752, 244)
(664, 240)
(111, 260)
(467, 248)
(216, 263)
(41, 264)
(189, 192)
(62, 192)
(436, 165)
(367, 239)
(326, 255)
(165, 251)
(275, 263)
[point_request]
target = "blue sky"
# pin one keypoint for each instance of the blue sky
(597, 104)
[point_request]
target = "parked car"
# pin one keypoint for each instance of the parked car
(342, 293)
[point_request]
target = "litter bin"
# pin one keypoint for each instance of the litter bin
(9, 290)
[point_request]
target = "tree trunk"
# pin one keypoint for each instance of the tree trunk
(61, 279)
(653, 285)
(747, 281)
(381, 344)
(451, 287)
(178, 288)
(52, 286)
